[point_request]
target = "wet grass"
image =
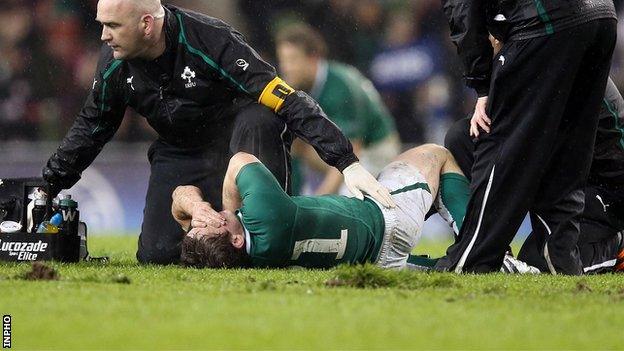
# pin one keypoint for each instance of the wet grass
(122, 305)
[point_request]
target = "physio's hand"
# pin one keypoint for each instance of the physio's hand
(360, 181)
(480, 118)
(54, 182)
(203, 216)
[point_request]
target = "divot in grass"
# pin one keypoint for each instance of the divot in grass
(41, 271)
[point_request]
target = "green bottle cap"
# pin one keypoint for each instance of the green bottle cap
(68, 202)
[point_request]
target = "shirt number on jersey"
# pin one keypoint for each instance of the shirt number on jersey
(337, 246)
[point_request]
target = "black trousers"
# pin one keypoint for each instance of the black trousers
(601, 223)
(256, 130)
(600, 240)
(544, 102)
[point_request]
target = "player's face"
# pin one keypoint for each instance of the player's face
(121, 28)
(235, 228)
(297, 68)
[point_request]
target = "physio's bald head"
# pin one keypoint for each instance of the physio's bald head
(129, 25)
(147, 7)
(134, 8)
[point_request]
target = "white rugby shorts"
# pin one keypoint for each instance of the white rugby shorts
(404, 223)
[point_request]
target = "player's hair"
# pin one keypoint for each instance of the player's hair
(305, 37)
(212, 252)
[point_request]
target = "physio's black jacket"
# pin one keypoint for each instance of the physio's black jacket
(508, 20)
(189, 95)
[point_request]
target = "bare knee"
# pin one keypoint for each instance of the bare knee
(430, 153)
(433, 149)
(431, 160)
(444, 158)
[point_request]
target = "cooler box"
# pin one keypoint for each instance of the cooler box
(24, 246)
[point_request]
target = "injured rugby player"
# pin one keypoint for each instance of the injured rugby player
(262, 226)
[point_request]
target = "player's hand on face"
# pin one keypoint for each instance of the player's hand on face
(359, 181)
(480, 119)
(204, 216)
(199, 232)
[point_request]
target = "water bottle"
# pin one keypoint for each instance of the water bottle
(51, 226)
(38, 214)
(30, 225)
(71, 217)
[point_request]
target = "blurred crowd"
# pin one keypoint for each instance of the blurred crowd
(48, 54)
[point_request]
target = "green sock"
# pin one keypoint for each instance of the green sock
(452, 199)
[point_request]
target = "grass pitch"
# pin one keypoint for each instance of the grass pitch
(121, 305)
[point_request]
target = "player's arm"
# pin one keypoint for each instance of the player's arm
(249, 183)
(182, 205)
(231, 195)
(191, 211)
(94, 126)
(264, 207)
(467, 21)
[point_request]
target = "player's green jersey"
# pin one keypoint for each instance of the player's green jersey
(306, 231)
(352, 102)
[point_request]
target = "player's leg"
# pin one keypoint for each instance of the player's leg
(413, 179)
(430, 160)
(410, 179)
(448, 185)
(258, 131)
(160, 238)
